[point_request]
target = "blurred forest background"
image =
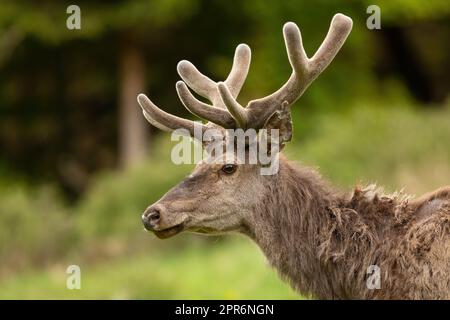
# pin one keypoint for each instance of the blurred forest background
(78, 162)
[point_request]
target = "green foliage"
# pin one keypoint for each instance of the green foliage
(228, 270)
(34, 225)
(115, 201)
(407, 11)
(383, 145)
(47, 21)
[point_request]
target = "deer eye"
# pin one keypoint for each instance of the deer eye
(229, 168)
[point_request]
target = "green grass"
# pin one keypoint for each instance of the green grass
(234, 269)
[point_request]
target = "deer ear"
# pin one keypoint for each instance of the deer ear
(281, 120)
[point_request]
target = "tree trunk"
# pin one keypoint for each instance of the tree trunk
(132, 127)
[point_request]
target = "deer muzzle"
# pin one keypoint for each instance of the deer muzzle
(156, 219)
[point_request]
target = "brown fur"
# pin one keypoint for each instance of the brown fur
(322, 241)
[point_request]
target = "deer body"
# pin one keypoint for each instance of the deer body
(320, 240)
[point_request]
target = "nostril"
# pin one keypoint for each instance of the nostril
(154, 216)
(151, 217)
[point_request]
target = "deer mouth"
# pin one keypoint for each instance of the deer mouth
(169, 232)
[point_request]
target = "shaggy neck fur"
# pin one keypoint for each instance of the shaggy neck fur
(322, 241)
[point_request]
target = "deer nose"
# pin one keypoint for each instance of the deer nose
(151, 217)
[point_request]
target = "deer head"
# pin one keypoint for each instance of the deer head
(221, 195)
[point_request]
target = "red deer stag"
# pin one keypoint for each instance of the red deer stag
(325, 243)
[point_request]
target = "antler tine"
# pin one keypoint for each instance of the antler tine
(209, 89)
(166, 121)
(236, 110)
(200, 83)
(203, 110)
(304, 70)
(239, 70)
(295, 50)
(154, 122)
(340, 28)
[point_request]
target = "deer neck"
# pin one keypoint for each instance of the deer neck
(289, 226)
